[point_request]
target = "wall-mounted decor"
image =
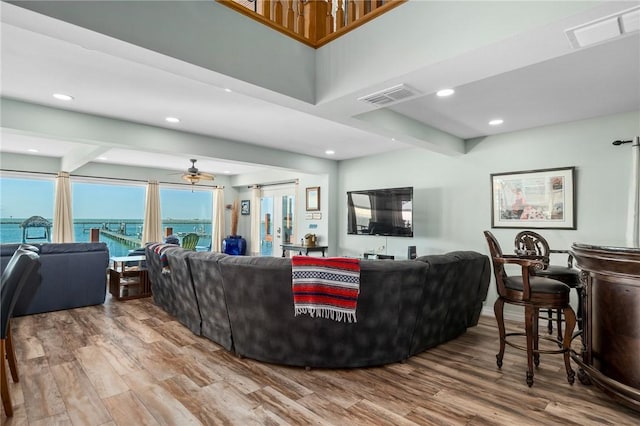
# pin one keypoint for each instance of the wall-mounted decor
(534, 199)
(313, 198)
(245, 208)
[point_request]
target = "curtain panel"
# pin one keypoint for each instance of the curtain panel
(152, 225)
(217, 228)
(633, 216)
(256, 242)
(62, 215)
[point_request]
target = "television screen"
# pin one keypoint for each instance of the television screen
(380, 212)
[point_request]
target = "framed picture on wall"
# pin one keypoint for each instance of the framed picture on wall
(543, 199)
(245, 208)
(313, 198)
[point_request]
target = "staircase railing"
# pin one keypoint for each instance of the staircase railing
(313, 22)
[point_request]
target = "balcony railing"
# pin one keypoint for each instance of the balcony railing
(313, 22)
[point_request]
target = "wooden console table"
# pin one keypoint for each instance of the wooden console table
(126, 281)
(300, 249)
(611, 354)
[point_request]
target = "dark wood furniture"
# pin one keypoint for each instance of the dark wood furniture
(611, 356)
(22, 267)
(302, 248)
(533, 293)
(379, 256)
(531, 245)
(127, 281)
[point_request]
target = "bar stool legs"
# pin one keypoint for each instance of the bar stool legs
(7, 350)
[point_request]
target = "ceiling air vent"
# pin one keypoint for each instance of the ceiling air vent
(605, 28)
(390, 95)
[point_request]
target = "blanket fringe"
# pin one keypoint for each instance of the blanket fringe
(327, 313)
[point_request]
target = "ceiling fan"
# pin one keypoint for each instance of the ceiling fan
(193, 175)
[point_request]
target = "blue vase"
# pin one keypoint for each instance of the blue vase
(234, 245)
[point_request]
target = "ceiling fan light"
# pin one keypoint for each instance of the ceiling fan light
(192, 179)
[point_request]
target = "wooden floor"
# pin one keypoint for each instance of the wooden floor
(129, 363)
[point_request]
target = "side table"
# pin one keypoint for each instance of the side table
(301, 248)
(127, 281)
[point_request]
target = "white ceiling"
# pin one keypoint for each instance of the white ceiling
(589, 82)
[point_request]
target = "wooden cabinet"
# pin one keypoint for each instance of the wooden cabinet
(128, 278)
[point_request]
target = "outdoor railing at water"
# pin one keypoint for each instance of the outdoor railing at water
(313, 22)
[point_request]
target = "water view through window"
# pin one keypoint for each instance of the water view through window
(115, 209)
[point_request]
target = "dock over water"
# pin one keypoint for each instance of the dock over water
(127, 240)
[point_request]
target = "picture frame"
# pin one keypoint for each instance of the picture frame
(534, 199)
(245, 207)
(313, 199)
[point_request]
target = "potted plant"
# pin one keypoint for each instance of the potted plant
(234, 244)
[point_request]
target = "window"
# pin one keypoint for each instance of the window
(116, 209)
(187, 211)
(21, 198)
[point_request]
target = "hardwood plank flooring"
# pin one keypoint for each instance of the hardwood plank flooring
(130, 363)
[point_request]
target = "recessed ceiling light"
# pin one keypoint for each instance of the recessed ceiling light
(496, 122)
(445, 92)
(102, 158)
(172, 119)
(393, 139)
(329, 152)
(32, 150)
(228, 90)
(63, 97)
(227, 172)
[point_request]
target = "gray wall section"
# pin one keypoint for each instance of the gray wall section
(203, 33)
(452, 195)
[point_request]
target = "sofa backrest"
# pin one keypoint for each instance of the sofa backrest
(260, 305)
(462, 279)
(209, 291)
(161, 284)
(7, 250)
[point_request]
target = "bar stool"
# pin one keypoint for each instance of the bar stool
(23, 265)
(533, 293)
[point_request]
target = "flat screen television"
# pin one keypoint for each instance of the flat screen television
(386, 212)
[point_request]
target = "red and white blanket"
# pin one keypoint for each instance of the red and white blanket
(326, 287)
(159, 249)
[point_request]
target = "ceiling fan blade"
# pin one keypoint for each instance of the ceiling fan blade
(206, 176)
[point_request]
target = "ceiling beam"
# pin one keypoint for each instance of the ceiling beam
(81, 156)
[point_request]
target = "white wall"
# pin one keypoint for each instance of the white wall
(452, 197)
(305, 180)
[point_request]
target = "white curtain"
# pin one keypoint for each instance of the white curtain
(633, 221)
(218, 220)
(152, 225)
(62, 216)
(256, 194)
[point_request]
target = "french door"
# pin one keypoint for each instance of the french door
(277, 219)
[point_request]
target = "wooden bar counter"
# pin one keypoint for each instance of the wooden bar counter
(611, 335)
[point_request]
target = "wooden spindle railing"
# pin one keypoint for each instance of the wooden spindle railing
(313, 22)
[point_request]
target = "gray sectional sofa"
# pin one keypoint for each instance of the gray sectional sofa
(73, 275)
(245, 304)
